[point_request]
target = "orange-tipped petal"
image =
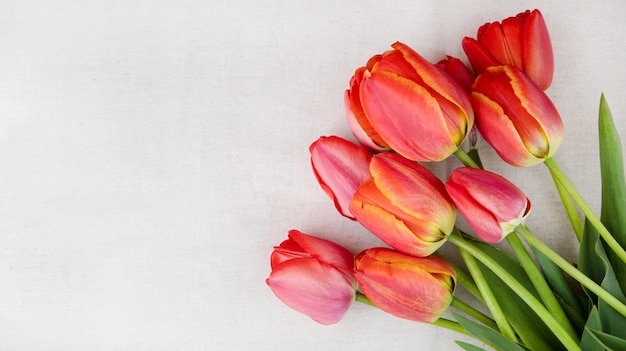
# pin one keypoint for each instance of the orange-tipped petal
(356, 128)
(340, 167)
(354, 111)
(418, 289)
(408, 118)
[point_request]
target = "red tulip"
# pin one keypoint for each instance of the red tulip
(313, 276)
(404, 205)
(522, 41)
(404, 102)
(415, 288)
(340, 167)
(457, 70)
(515, 116)
(491, 205)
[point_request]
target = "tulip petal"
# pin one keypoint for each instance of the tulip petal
(357, 130)
(498, 129)
(398, 230)
(354, 111)
(339, 167)
(480, 59)
(313, 288)
(405, 289)
(407, 117)
(414, 189)
(513, 29)
(324, 250)
(538, 56)
(537, 103)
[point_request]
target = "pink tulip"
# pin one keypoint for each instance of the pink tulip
(522, 41)
(515, 116)
(313, 276)
(404, 102)
(415, 288)
(404, 205)
(457, 70)
(340, 167)
(491, 205)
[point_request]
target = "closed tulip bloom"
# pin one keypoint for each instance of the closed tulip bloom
(491, 205)
(340, 166)
(515, 116)
(403, 102)
(522, 41)
(404, 205)
(313, 276)
(415, 288)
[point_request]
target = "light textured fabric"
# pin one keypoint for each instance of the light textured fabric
(153, 152)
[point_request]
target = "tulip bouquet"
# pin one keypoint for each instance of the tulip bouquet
(405, 112)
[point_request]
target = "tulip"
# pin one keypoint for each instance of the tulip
(491, 205)
(415, 288)
(515, 116)
(313, 276)
(403, 102)
(404, 205)
(339, 167)
(458, 71)
(522, 41)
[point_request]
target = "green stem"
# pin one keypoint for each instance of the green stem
(540, 284)
(585, 281)
(485, 290)
(476, 314)
(465, 158)
(570, 343)
(468, 283)
(591, 217)
(569, 206)
(454, 326)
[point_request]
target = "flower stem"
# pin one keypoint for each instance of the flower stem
(591, 217)
(468, 283)
(540, 284)
(569, 206)
(471, 311)
(465, 158)
(556, 328)
(580, 277)
(485, 290)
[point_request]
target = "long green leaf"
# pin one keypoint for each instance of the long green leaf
(494, 338)
(468, 347)
(613, 214)
(588, 342)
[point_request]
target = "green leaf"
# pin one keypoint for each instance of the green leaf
(468, 347)
(613, 214)
(492, 337)
(595, 264)
(587, 341)
(610, 342)
(533, 332)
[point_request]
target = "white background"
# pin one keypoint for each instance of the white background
(153, 152)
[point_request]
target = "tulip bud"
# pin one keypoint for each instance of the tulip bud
(458, 71)
(404, 205)
(313, 276)
(403, 102)
(415, 288)
(340, 167)
(515, 116)
(491, 205)
(522, 41)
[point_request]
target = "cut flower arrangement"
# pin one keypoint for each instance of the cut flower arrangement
(405, 112)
